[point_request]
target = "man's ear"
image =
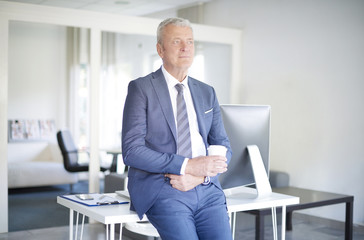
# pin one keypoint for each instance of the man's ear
(160, 50)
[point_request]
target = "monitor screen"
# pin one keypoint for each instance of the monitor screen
(245, 125)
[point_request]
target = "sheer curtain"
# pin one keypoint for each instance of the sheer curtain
(79, 82)
(115, 76)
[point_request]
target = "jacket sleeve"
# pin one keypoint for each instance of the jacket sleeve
(146, 142)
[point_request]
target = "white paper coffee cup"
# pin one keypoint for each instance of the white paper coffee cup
(216, 150)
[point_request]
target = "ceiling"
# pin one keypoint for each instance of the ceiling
(125, 7)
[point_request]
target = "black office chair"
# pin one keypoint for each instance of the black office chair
(70, 153)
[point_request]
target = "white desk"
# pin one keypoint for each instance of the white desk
(239, 199)
(244, 199)
(107, 214)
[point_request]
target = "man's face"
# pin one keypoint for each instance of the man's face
(177, 49)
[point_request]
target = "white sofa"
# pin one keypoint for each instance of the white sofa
(38, 173)
(33, 164)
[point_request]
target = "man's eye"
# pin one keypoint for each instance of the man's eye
(176, 41)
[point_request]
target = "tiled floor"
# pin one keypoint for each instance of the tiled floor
(303, 229)
(91, 232)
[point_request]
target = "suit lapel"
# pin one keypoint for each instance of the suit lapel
(161, 89)
(198, 103)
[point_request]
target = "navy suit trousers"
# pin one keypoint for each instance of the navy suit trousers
(198, 214)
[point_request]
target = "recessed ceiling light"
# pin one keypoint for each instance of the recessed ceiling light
(122, 2)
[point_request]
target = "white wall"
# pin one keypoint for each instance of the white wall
(306, 59)
(37, 84)
(217, 69)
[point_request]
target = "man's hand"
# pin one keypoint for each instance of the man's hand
(206, 166)
(184, 182)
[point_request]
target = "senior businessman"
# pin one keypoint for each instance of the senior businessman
(170, 119)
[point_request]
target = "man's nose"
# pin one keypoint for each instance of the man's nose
(184, 46)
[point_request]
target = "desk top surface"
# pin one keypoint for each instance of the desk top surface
(312, 196)
(118, 213)
(243, 199)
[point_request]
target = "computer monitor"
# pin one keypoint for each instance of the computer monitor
(245, 125)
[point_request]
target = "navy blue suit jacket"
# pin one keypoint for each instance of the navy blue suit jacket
(149, 134)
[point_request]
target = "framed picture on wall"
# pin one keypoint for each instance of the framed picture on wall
(16, 130)
(31, 130)
(47, 129)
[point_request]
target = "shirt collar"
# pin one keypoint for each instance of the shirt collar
(172, 81)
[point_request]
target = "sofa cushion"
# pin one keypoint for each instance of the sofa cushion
(34, 174)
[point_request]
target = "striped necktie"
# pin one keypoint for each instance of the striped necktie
(183, 128)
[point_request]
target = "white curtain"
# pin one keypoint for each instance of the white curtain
(78, 64)
(114, 78)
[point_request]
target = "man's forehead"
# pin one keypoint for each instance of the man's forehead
(178, 30)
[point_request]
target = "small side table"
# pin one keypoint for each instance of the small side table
(308, 199)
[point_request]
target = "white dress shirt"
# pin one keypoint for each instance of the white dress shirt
(197, 144)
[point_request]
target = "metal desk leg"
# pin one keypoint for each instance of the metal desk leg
(274, 221)
(283, 234)
(76, 233)
(107, 231)
(71, 225)
(121, 231)
(75, 225)
(259, 226)
(232, 223)
(289, 220)
(83, 223)
(112, 231)
(349, 221)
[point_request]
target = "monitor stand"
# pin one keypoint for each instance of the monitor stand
(260, 175)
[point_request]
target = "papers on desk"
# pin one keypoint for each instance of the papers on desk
(97, 200)
(124, 194)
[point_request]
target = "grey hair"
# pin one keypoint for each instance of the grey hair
(181, 22)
